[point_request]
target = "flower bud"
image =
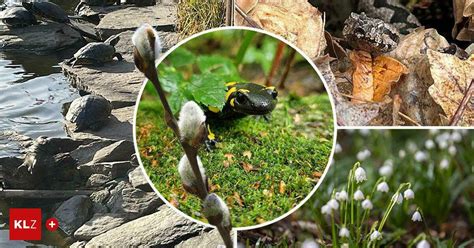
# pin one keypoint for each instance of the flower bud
(360, 175)
(188, 178)
(423, 244)
(341, 196)
(216, 212)
(147, 47)
(358, 195)
(409, 194)
(344, 232)
(367, 204)
(326, 210)
(382, 187)
(416, 216)
(376, 235)
(333, 204)
(192, 124)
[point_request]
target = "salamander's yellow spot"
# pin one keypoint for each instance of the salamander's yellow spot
(229, 92)
(232, 102)
(269, 88)
(244, 90)
(213, 109)
(230, 84)
(210, 134)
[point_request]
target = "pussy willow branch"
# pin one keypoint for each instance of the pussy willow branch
(191, 152)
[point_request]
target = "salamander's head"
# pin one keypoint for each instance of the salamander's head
(251, 99)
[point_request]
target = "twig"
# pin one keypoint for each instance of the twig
(276, 63)
(462, 106)
(230, 12)
(289, 62)
(249, 20)
(409, 119)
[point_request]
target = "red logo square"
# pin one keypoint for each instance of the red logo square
(25, 224)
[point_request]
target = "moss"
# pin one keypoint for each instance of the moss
(292, 149)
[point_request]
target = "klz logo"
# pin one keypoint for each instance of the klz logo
(25, 224)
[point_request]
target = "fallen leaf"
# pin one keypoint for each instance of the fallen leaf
(238, 199)
(174, 203)
(317, 174)
(397, 102)
(282, 187)
(226, 164)
(260, 220)
(452, 78)
(362, 77)
(464, 21)
(229, 156)
(386, 72)
(215, 187)
(154, 163)
(256, 185)
(247, 167)
(247, 154)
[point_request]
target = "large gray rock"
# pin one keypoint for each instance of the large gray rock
(118, 151)
(162, 17)
(98, 224)
(133, 203)
(97, 180)
(39, 38)
(84, 154)
(138, 180)
(112, 169)
(78, 244)
(72, 213)
(162, 229)
(207, 239)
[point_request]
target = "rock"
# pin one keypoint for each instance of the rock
(49, 36)
(100, 196)
(97, 180)
(138, 180)
(72, 213)
(162, 229)
(78, 244)
(98, 224)
(118, 151)
(207, 239)
(113, 169)
(133, 203)
(84, 154)
(162, 17)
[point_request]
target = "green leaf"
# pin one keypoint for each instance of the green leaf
(181, 57)
(208, 89)
(216, 64)
(170, 78)
(177, 100)
(263, 55)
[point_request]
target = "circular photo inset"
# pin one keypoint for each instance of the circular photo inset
(249, 127)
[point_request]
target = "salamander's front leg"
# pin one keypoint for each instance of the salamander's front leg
(211, 140)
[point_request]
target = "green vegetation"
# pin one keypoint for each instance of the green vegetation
(261, 168)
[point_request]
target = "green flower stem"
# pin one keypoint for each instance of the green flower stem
(391, 204)
(333, 227)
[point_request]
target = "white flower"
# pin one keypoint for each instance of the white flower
(367, 204)
(214, 207)
(376, 235)
(409, 194)
(382, 187)
(398, 198)
(364, 132)
(360, 175)
(358, 195)
(386, 171)
(402, 153)
(333, 204)
(416, 216)
(434, 131)
(444, 164)
(363, 155)
(345, 245)
(338, 148)
(309, 243)
(421, 156)
(452, 150)
(456, 137)
(326, 210)
(423, 244)
(187, 174)
(388, 162)
(147, 47)
(412, 147)
(192, 123)
(342, 196)
(429, 144)
(443, 144)
(344, 232)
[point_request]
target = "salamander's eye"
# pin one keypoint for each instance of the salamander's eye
(241, 97)
(273, 93)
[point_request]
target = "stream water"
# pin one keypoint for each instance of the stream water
(32, 92)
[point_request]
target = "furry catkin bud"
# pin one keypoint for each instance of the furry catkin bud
(215, 210)
(147, 47)
(191, 123)
(188, 178)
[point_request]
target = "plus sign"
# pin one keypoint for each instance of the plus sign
(51, 224)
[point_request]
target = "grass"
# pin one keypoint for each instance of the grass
(262, 169)
(195, 16)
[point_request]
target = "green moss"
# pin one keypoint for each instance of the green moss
(293, 147)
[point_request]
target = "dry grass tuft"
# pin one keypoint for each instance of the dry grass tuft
(198, 15)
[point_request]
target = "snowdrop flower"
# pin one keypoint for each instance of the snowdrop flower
(344, 232)
(416, 216)
(402, 153)
(412, 147)
(363, 155)
(192, 124)
(342, 196)
(326, 210)
(147, 48)
(186, 173)
(429, 144)
(409, 194)
(423, 244)
(386, 171)
(444, 164)
(360, 175)
(358, 195)
(309, 243)
(421, 156)
(367, 204)
(382, 187)
(338, 148)
(376, 235)
(452, 150)
(215, 211)
(388, 162)
(398, 198)
(333, 204)
(456, 137)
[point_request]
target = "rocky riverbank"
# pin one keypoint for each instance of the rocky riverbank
(121, 208)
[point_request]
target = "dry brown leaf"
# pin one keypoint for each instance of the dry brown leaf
(452, 78)
(215, 187)
(226, 164)
(174, 203)
(362, 77)
(397, 102)
(247, 154)
(282, 187)
(238, 199)
(317, 174)
(256, 185)
(386, 71)
(247, 167)
(464, 22)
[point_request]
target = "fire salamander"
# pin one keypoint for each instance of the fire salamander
(243, 99)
